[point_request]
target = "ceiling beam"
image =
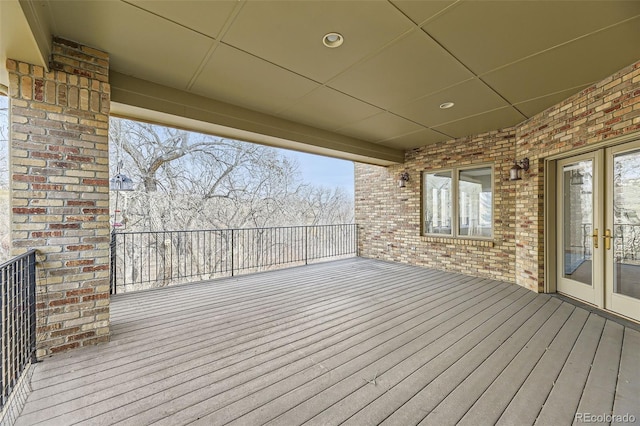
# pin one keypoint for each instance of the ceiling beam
(38, 21)
(24, 35)
(143, 100)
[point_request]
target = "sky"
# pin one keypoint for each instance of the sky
(324, 171)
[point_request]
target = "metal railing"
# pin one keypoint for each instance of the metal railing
(626, 239)
(18, 293)
(141, 260)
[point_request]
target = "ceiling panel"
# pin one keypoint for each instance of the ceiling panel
(230, 76)
(139, 43)
(400, 60)
(379, 127)
(416, 139)
(407, 69)
(329, 109)
(534, 106)
(570, 65)
(421, 11)
(493, 120)
(488, 34)
(206, 17)
(290, 33)
(470, 98)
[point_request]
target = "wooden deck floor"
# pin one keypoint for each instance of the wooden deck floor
(354, 341)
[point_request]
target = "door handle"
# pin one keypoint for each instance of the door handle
(607, 239)
(595, 238)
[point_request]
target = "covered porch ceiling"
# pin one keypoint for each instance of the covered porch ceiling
(258, 70)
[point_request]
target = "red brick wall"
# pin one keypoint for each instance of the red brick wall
(60, 194)
(389, 217)
(606, 110)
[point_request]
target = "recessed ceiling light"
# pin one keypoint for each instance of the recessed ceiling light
(446, 105)
(332, 40)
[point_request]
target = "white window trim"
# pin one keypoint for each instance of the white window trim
(455, 200)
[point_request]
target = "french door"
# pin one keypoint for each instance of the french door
(598, 232)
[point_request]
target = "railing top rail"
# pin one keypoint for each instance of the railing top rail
(16, 258)
(234, 229)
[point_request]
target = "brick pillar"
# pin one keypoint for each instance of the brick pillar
(60, 190)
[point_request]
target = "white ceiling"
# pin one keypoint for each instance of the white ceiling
(500, 62)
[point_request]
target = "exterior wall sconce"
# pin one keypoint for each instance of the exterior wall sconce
(120, 182)
(577, 178)
(516, 171)
(403, 179)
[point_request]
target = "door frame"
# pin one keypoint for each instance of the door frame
(617, 303)
(549, 196)
(593, 293)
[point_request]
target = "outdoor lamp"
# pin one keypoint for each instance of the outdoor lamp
(120, 182)
(403, 179)
(577, 178)
(515, 173)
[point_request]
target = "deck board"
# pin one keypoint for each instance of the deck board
(458, 402)
(601, 384)
(506, 380)
(198, 357)
(527, 402)
(357, 368)
(562, 402)
(354, 341)
(281, 380)
(434, 391)
(628, 387)
(372, 406)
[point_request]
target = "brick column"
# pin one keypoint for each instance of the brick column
(60, 190)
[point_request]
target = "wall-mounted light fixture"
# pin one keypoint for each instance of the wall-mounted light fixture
(516, 171)
(403, 179)
(577, 178)
(120, 182)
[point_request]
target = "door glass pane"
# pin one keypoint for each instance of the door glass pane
(437, 203)
(626, 210)
(577, 221)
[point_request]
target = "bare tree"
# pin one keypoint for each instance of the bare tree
(323, 205)
(188, 180)
(154, 149)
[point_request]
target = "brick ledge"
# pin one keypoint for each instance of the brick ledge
(458, 241)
